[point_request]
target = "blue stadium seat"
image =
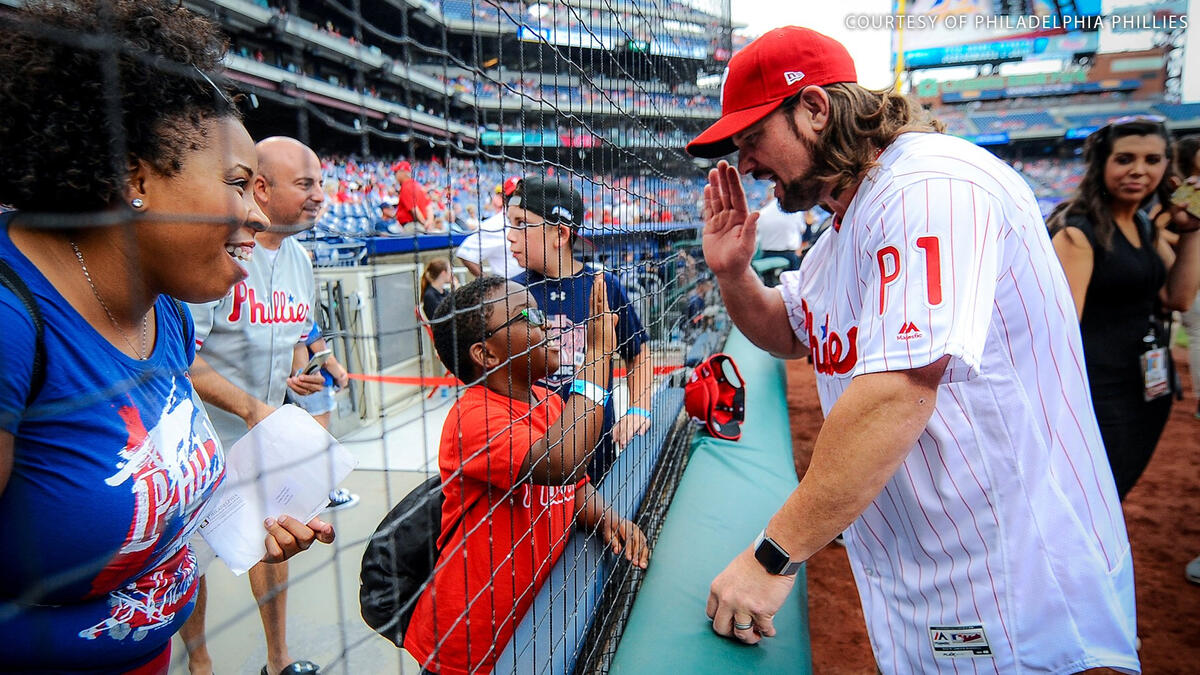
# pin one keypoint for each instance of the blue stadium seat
(1013, 122)
(1179, 112)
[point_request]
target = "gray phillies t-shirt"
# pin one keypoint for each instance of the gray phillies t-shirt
(248, 335)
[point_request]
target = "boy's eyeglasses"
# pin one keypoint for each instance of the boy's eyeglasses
(535, 317)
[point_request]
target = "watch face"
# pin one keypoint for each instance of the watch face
(772, 558)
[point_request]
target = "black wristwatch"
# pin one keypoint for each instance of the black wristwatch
(773, 558)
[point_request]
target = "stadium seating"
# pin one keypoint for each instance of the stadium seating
(1179, 112)
(1013, 122)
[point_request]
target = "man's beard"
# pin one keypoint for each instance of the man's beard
(804, 192)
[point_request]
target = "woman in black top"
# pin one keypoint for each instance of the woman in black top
(1121, 275)
(435, 283)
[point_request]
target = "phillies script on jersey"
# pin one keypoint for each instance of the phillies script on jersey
(283, 307)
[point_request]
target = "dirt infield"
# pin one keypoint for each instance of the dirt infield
(1162, 514)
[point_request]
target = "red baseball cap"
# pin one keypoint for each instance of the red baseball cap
(402, 166)
(715, 396)
(509, 186)
(763, 74)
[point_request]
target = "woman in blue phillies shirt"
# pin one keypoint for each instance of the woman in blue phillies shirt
(106, 464)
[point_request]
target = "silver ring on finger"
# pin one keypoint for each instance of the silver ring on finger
(743, 626)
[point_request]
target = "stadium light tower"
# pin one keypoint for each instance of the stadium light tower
(1173, 40)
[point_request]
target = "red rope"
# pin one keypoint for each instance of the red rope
(447, 380)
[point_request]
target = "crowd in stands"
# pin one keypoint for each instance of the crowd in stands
(1017, 115)
(1015, 121)
(1052, 179)
(611, 27)
(358, 191)
(1038, 102)
(561, 94)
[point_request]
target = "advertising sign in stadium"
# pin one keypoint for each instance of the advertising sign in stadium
(954, 32)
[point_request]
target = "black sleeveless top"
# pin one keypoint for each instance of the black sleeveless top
(430, 300)
(1121, 297)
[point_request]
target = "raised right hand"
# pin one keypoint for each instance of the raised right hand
(601, 323)
(729, 227)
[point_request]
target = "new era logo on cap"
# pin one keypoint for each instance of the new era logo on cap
(793, 76)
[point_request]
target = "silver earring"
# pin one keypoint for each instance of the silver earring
(137, 203)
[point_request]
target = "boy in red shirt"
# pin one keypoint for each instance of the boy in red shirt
(513, 458)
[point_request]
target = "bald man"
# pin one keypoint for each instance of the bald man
(244, 351)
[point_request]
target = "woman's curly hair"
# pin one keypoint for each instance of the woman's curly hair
(90, 86)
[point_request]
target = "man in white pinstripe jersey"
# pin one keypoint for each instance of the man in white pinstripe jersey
(959, 450)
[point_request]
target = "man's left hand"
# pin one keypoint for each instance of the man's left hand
(746, 594)
(630, 425)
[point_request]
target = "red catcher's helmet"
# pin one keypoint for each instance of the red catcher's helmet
(715, 396)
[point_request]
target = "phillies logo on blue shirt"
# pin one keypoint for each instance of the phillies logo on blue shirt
(171, 468)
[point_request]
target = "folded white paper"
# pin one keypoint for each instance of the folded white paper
(285, 465)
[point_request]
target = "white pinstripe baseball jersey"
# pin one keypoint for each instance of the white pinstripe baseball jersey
(999, 545)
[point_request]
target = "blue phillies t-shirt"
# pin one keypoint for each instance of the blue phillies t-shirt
(112, 464)
(566, 303)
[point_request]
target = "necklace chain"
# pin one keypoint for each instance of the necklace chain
(87, 275)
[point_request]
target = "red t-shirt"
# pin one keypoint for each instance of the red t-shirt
(411, 196)
(514, 532)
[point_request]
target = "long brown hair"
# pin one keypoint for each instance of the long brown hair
(1092, 199)
(861, 122)
(433, 270)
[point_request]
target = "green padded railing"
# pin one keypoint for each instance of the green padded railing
(728, 492)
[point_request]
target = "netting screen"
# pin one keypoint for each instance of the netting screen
(460, 237)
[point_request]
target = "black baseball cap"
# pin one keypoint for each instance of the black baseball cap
(555, 201)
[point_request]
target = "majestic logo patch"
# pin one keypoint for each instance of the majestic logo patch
(909, 331)
(952, 642)
(793, 76)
